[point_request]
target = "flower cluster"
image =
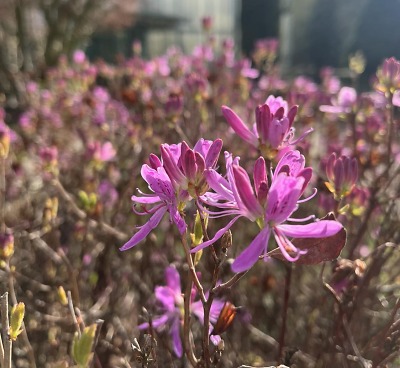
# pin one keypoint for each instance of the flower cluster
(183, 174)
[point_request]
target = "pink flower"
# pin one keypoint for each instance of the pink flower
(388, 76)
(171, 302)
(174, 180)
(101, 152)
(186, 166)
(344, 103)
(79, 57)
(269, 207)
(272, 130)
(164, 198)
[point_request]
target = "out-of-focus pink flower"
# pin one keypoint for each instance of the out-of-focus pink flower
(137, 48)
(108, 194)
(171, 301)
(265, 50)
(206, 23)
(79, 57)
(49, 161)
(330, 83)
(101, 152)
(174, 104)
(343, 103)
(246, 70)
(388, 76)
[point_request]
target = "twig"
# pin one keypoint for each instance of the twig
(73, 315)
(74, 281)
(362, 361)
(83, 215)
(95, 360)
(5, 330)
(263, 337)
(229, 283)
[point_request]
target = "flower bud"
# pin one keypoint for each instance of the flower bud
(16, 319)
(62, 295)
(6, 246)
(388, 76)
(342, 174)
(5, 139)
(49, 160)
(206, 23)
(225, 319)
(82, 346)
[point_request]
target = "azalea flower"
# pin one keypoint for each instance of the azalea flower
(270, 207)
(171, 302)
(174, 180)
(186, 166)
(164, 198)
(272, 131)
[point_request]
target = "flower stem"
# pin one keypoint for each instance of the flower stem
(288, 280)
(207, 310)
(192, 270)
(186, 323)
(205, 234)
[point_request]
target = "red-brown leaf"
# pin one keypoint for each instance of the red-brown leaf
(318, 249)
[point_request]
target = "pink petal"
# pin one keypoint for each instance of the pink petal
(166, 296)
(173, 279)
(219, 184)
(238, 126)
(146, 200)
(282, 197)
(316, 229)
(156, 322)
(217, 236)
(246, 193)
(213, 153)
(176, 337)
(263, 121)
(145, 229)
(259, 174)
(177, 219)
(250, 255)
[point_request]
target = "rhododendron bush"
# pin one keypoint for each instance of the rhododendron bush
(200, 210)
